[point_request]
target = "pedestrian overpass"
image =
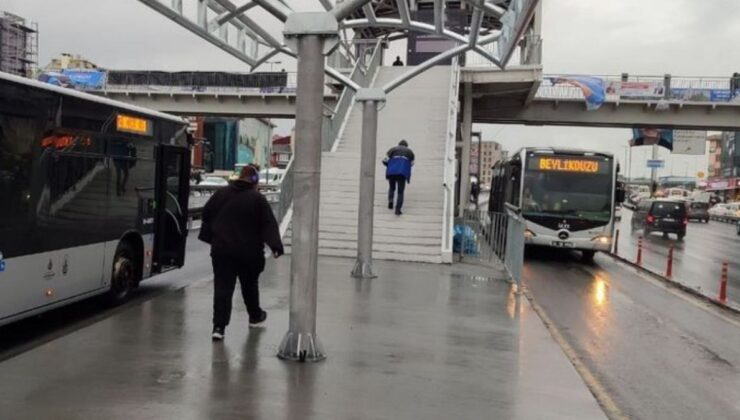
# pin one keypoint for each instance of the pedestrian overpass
(277, 102)
(524, 95)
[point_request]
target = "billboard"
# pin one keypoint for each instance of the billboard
(650, 136)
(636, 89)
(689, 142)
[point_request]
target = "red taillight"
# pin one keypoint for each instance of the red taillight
(650, 218)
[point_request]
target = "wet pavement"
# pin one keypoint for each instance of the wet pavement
(697, 260)
(420, 341)
(658, 352)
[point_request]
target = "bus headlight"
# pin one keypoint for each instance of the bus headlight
(602, 239)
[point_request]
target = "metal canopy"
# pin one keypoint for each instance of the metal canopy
(493, 26)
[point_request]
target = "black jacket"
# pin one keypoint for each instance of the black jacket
(238, 221)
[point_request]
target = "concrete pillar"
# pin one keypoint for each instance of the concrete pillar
(467, 131)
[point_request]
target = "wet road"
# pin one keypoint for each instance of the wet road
(697, 260)
(658, 353)
(33, 332)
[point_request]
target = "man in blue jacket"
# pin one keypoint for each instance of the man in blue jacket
(398, 162)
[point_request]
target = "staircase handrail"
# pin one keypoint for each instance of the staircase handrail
(362, 75)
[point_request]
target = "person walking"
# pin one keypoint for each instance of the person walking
(398, 162)
(237, 223)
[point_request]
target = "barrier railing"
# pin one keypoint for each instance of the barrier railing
(490, 238)
(448, 214)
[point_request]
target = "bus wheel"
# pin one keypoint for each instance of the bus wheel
(587, 255)
(123, 279)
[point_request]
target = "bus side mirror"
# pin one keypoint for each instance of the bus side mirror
(620, 195)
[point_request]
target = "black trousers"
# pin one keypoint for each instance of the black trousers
(225, 271)
(396, 182)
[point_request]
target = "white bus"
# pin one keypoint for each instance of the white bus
(93, 196)
(567, 197)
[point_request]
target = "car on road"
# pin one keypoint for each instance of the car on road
(213, 181)
(661, 215)
(698, 211)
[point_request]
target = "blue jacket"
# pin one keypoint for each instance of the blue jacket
(398, 161)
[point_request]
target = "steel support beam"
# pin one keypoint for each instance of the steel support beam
(311, 35)
(301, 342)
(370, 99)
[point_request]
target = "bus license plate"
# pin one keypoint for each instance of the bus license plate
(563, 244)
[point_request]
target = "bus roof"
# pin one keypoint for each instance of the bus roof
(88, 97)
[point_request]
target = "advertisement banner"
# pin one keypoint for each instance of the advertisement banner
(650, 136)
(689, 142)
(592, 88)
(86, 79)
(703, 95)
(636, 89)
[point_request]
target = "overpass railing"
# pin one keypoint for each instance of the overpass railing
(701, 89)
(182, 82)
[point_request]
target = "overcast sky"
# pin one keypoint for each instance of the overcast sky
(681, 37)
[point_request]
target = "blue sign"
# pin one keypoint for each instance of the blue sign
(655, 163)
(87, 79)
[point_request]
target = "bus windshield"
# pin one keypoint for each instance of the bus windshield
(577, 194)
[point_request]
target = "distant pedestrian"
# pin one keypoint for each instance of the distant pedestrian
(398, 162)
(398, 61)
(475, 192)
(238, 222)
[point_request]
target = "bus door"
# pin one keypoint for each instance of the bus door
(171, 206)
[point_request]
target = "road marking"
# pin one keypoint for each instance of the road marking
(607, 403)
(674, 290)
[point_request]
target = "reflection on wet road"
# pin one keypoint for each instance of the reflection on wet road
(658, 353)
(697, 260)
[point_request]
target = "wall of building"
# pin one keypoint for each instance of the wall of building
(491, 153)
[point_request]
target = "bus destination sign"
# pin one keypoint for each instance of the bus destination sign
(568, 164)
(136, 125)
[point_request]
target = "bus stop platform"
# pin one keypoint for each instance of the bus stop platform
(418, 342)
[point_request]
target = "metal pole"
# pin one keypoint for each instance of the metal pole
(301, 342)
(363, 266)
(654, 170)
(467, 129)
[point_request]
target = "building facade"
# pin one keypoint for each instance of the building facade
(67, 61)
(714, 169)
(491, 152)
(18, 45)
(727, 183)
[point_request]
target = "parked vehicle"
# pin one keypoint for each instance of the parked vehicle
(699, 211)
(213, 181)
(661, 215)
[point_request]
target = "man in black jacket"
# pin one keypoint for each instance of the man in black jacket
(238, 222)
